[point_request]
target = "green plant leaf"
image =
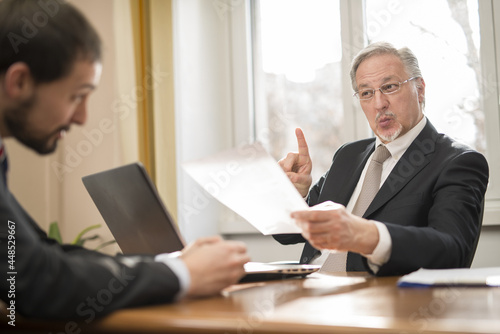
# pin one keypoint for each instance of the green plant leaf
(104, 244)
(54, 232)
(83, 240)
(78, 238)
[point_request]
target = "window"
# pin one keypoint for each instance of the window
(298, 57)
(301, 55)
(452, 73)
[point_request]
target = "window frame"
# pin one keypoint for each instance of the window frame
(490, 59)
(353, 40)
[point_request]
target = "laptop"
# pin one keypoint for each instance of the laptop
(141, 224)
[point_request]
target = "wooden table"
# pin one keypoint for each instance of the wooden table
(326, 304)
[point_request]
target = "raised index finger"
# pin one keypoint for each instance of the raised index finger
(301, 141)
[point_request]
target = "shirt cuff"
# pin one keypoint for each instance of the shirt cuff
(382, 251)
(179, 268)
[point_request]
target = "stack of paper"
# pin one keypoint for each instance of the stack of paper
(447, 277)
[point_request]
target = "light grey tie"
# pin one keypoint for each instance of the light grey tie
(337, 261)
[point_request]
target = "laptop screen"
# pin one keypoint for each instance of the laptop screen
(131, 207)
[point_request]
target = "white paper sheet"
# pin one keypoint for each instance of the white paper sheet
(461, 276)
(252, 184)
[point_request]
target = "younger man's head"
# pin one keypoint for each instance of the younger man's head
(50, 61)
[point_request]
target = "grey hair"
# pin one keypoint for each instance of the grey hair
(406, 56)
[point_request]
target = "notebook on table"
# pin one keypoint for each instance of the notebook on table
(141, 224)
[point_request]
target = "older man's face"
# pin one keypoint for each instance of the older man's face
(390, 116)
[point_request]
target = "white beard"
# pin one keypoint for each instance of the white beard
(394, 135)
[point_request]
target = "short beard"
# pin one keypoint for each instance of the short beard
(390, 138)
(16, 120)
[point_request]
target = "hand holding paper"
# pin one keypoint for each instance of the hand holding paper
(250, 182)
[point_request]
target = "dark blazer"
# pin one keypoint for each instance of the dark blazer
(431, 202)
(63, 282)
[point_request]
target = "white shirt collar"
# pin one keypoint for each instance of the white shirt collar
(398, 146)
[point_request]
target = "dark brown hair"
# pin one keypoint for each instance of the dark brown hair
(47, 35)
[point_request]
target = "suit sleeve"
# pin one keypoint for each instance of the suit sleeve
(60, 282)
(446, 239)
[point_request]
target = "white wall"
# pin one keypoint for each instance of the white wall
(488, 248)
(202, 104)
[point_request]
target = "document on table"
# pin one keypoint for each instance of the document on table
(252, 184)
(447, 277)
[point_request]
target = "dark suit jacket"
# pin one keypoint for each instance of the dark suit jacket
(63, 282)
(431, 202)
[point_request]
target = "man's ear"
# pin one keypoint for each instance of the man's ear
(18, 82)
(421, 90)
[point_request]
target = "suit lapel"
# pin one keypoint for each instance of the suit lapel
(416, 157)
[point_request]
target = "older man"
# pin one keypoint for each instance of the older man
(406, 199)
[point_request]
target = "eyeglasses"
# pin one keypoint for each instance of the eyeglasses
(388, 88)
